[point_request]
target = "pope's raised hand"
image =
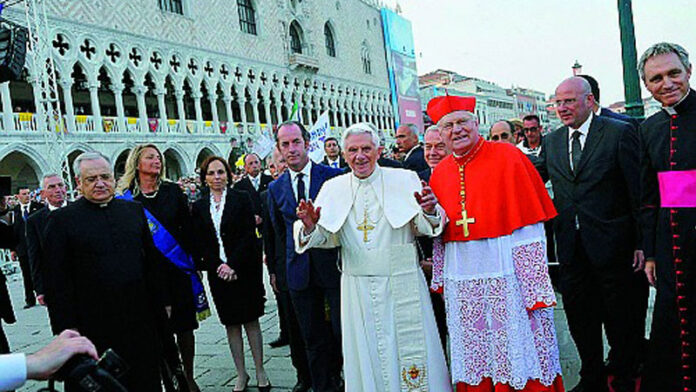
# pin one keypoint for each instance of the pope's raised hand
(308, 215)
(426, 198)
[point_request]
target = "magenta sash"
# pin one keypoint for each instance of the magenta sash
(677, 189)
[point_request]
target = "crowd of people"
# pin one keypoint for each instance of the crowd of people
(426, 273)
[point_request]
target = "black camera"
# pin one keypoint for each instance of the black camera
(91, 376)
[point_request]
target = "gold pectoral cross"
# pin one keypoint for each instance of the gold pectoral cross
(365, 227)
(465, 221)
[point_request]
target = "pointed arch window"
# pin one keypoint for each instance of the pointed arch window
(329, 40)
(295, 38)
(366, 61)
(247, 16)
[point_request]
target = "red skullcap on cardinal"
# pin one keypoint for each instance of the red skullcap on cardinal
(438, 107)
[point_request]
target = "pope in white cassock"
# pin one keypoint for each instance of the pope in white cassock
(390, 339)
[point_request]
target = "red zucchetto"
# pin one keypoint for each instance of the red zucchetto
(438, 107)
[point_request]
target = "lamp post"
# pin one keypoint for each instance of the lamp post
(634, 103)
(577, 68)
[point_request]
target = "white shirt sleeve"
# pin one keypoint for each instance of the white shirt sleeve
(13, 371)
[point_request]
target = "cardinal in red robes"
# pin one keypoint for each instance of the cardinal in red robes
(491, 263)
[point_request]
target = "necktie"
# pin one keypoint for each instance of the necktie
(255, 182)
(334, 164)
(25, 212)
(576, 150)
(301, 195)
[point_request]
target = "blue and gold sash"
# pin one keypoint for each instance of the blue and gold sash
(170, 248)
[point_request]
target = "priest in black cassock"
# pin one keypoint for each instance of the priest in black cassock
(103, 268)
(668, 177)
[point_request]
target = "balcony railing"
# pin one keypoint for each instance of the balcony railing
(27, 122)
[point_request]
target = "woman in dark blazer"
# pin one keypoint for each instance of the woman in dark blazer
(225, 233)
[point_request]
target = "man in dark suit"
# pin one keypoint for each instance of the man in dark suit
(435, 151)
(333, 157)
(274, 246)
(313, 277)
(54, 192)
(7, 240)
(639, 283)
(254, 183)
(407, 141)
(593, 166)
(20, 214)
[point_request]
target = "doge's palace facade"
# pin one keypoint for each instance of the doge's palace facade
(192, 75)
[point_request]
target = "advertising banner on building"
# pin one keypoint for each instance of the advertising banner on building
(401, 64)
(407, 97)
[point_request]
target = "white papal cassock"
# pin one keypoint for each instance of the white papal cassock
(390, 339)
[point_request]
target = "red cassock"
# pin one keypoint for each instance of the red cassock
(504, 192)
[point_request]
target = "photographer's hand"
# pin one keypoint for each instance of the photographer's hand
(43, 363)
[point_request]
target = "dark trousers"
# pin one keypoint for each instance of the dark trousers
(298, 353)
(282, 316)
(323, 345)
(640, 291)
(595, 295)
(29, 297)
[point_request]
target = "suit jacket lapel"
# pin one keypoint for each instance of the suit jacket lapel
(315, 182)
(287, 187)
(594, 136)
(206, 210)
(229, 208)
(565, 153)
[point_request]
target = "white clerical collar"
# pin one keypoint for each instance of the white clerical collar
(52, 208)
(671, 109)
(584, 128)
(306, 170)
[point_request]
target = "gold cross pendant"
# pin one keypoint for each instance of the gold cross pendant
(365, 227)
(465, 221)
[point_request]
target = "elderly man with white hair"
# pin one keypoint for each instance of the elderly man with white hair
(498, 295)
(390, 339)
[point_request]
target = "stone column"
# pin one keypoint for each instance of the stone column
(197, 95)
(242, 112)
(142, 108)
(94, 100)
(161, 91)
(347, 113)
(279, 110)
(255, 109)
(288, 105)
(180, 110)
(66, 86)
(117, 89)
(227, 99)
(7, 114)
(335, 115)
(40, 125)
(212, 97)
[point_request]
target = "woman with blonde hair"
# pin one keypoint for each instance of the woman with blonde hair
(167, 212)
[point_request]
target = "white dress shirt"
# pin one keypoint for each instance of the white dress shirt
(216, 211)
(255, 181)
(13, 371)
(335, 164)
(307, 171)
(584, 131)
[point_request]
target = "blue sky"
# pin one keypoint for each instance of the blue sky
(534, 43)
